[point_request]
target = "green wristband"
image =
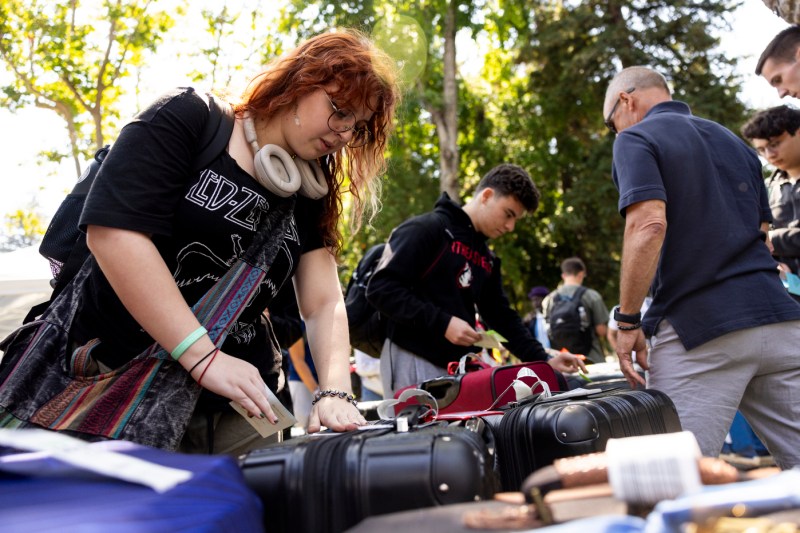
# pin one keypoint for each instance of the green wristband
(190, 339)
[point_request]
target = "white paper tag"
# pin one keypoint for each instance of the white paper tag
(264, 427)
(490, 339)
(651, 468)
(93, 458)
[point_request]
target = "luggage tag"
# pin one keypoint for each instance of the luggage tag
(491, 339)
(75, 456)
(650, 468)
(264, 427)
(792, 283)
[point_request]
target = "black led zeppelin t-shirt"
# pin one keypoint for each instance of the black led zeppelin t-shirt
(200, 222)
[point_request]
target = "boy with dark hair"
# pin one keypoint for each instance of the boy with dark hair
(773, 133)
(437, 272)
(772, 122)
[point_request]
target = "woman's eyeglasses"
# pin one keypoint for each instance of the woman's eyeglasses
(343, 120)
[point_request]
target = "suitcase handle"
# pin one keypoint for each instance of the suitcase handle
(468, 363)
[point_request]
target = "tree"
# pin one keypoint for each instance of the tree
(536, 102)
(436, 89)
(567, 53)
(237, 46)
(24, 227)
(72, 60)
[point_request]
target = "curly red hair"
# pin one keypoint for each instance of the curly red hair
(365, 77)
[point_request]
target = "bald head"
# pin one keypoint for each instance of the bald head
(639, 77)
(635, 90)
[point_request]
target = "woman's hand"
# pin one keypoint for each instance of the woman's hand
(336, 414)
(236, 380)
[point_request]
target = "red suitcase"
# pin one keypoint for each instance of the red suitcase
(483, 387)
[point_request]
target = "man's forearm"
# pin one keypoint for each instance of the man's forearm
(645, 228)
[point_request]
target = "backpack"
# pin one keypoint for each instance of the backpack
(569, 324)
(64, 244)
(366, 324)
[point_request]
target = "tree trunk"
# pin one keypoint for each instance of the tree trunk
(448, 125)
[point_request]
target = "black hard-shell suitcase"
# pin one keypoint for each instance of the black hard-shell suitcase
(533, 435)
(330, 482)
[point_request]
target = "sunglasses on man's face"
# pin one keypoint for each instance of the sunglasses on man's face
(609, 121)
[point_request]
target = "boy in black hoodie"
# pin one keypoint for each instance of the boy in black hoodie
(437, 270)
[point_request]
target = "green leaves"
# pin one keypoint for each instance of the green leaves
(71, 60)
(528, 88)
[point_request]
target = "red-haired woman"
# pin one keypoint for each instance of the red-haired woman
(162, 234)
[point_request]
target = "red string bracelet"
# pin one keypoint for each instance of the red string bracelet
(203, 373)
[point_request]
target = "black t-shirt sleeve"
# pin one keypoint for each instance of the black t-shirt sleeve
(309, 214)
(144, 175)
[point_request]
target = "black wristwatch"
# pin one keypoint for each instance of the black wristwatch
(627, 319)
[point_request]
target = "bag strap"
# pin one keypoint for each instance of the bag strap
(449, 238)
(221, 306)
(216, 133)
(579, 292)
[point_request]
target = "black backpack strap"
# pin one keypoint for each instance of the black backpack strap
(579, 292)
(577, 297)
(216, 133)
(449, 238)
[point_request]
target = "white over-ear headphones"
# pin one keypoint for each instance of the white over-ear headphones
(280, 173)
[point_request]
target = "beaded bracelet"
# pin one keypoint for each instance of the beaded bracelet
(334, 394)
(629, 328)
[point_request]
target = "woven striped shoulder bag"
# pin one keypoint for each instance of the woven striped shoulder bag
(150, 399)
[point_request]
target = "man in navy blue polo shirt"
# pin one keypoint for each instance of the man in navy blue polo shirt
(722, 331)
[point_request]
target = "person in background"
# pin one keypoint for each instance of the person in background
(368, 369)
(534, 320)
(722, 331)
(774, 134)
(588, 338)
(779, 64)
(162, 235)
(303, 381)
